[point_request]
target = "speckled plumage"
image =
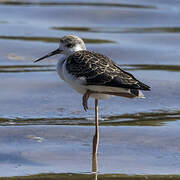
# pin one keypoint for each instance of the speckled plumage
(98, 69)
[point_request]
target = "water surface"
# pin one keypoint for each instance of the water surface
(43, 128)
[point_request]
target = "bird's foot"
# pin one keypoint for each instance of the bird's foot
(85, 99)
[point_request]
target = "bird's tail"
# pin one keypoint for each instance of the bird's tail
(141, 95)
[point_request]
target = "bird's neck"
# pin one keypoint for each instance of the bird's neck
(78, 47)
(74, 49)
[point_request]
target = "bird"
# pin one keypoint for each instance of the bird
(92, 74)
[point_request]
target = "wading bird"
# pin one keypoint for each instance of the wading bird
(93, 74)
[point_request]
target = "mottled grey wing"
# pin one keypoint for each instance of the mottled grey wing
(98, 69)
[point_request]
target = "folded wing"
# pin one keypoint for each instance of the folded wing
(98, 69)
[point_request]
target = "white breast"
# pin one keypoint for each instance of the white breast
(76, 83)
(66, 76)
(59, 67)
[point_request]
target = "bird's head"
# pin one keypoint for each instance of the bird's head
(67, 46)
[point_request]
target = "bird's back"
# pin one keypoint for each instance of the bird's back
(98, 69)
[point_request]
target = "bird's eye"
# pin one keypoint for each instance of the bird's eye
(69, 45)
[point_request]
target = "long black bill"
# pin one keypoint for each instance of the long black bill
(57, 51)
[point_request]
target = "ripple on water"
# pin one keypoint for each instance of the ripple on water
(76, 3)
(43, 127)
(158, 118)
(121, 30)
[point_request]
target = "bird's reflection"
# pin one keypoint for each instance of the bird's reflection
(95, 145)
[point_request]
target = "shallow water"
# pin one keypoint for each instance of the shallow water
(43, 128)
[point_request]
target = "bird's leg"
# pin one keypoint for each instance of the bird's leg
(85, 99)
(96, 136)
(95, 140)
